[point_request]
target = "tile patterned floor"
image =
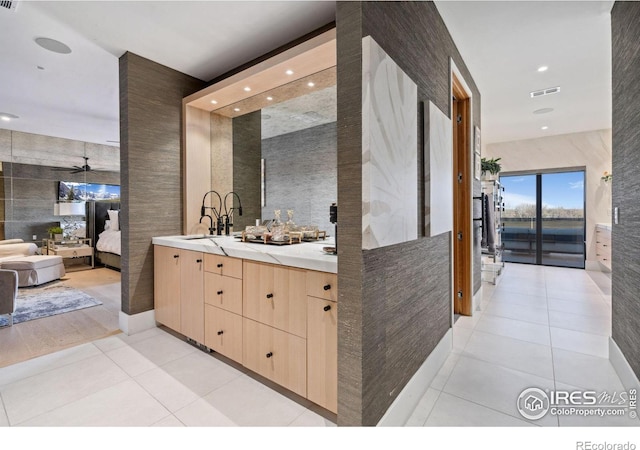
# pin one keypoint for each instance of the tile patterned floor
(148, 379)
(543, 327)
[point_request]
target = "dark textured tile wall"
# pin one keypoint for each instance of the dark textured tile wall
(151, 168)
(247, 135)
(309, 189)
(395, 301)
(625, 26)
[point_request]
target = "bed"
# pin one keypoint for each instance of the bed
(103, 228)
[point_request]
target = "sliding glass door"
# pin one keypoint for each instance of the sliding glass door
(544, 218)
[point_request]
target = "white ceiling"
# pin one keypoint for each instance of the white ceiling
(76, 96)
(503, 43)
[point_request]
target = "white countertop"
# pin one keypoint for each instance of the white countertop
(306, 255)
(606, 226)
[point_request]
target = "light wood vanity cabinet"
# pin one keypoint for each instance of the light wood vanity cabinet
(178, 290)
(603, 245)
(278, 321)
(223, 305)
(274, 296)
(167, 286)
(276, 355)
(322, 352)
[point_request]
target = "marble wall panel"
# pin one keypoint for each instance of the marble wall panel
(389, 156)
(441, 172)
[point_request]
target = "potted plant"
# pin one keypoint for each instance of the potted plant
(55, 233)
(490, 166)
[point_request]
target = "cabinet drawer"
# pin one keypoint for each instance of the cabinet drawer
(275, 296)
(322, 353)
(322, 285)
(276, 355)
(223, 292)
(223, 265)
(223, 332)
(73, 252)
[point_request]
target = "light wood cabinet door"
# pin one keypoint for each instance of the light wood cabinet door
(166, 286)
(276, 355)
(322, 285)
(223, 265)
(275, 296)
(223, 292)
(322, 353)
(192, 298)
(223, 332)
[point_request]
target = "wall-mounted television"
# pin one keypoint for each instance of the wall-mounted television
(72, 190)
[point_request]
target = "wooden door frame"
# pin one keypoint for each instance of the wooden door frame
(463, 206)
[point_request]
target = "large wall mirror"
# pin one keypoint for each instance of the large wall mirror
(270, 137)
(38, 173)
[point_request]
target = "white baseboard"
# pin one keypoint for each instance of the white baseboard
(596, 266)
(137, 322)
(408, 399)
(476, 301)
(622, 367)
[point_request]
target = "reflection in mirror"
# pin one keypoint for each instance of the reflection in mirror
(293, 136)
(31, 170)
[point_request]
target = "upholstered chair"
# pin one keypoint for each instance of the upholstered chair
(8, 293)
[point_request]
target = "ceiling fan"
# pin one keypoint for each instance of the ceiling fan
(79, 169)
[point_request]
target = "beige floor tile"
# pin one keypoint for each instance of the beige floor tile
(130, 360)
(169, 421)
(125, 404)
(424, 408)
(525, 313)
(451, 411)
(587, 371)
(577, 341)
(33, 396)
(511, 353)
(162, 348)
(203, 414)
(249, 403)
(516, 329)
(166, 389)
(445, 371)
(578, 322)
(310, 419)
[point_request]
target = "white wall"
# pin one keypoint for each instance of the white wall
(591, 149)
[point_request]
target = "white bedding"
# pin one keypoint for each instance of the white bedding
(109, 241)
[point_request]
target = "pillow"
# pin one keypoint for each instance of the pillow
(113, 218)
(11, 241)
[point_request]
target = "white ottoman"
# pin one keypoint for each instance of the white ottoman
(36, 269)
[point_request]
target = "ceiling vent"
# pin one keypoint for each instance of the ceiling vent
(9, 4)
(543, 92)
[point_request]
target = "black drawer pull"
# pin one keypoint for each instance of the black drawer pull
(219, 292)
(220, 332)
(327, 308)
(198, 260)
(176, 256)
(219, 265)
(327, 287)
(269, 355)
(269, 295)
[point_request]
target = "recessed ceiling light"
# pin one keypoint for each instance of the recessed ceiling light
(214, 102)
(543, 68)
(544, 128)
(289, 72)
(311, 84)
(40, 67)
(7, 116)
(543, 110)
(53, 46)
(247, 89)
(269, 98)
(236, 109)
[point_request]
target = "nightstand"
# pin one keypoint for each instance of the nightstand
(76, 248)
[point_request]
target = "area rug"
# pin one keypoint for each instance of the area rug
(50, 300)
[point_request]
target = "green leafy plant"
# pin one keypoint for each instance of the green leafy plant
(606, 177)
(54, 230)
(490, 165)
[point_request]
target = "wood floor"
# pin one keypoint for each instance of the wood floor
(38, 337)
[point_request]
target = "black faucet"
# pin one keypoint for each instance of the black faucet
(215, 212)
(225, 219)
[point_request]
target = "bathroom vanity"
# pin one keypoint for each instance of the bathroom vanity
(272, 309)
